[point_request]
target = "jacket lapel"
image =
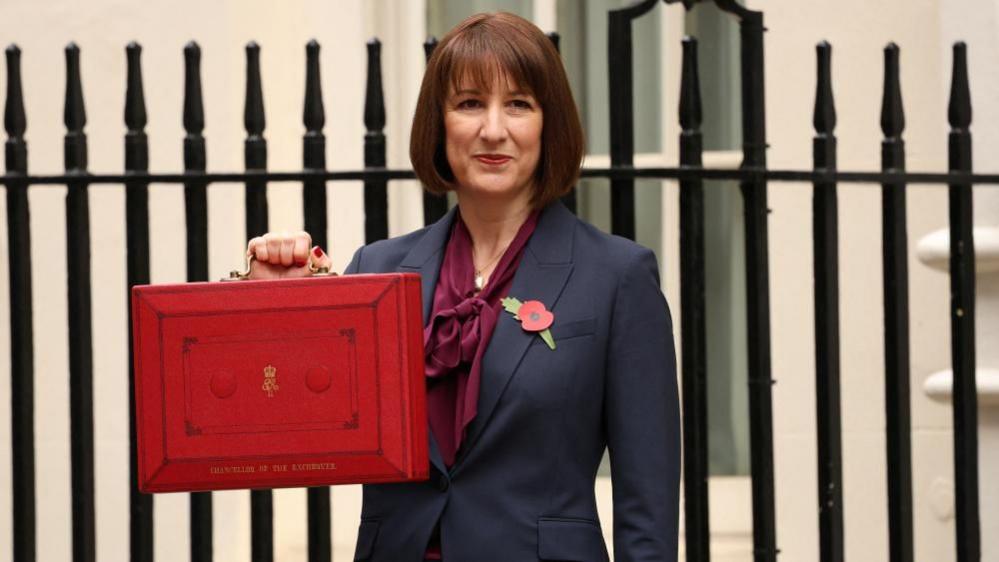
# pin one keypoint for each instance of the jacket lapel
(425, 258)
(543, 271)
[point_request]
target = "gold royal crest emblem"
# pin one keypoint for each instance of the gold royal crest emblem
(270, 385)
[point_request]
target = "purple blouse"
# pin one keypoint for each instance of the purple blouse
(456, 338)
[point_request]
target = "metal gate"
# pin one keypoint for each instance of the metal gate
(753, 177)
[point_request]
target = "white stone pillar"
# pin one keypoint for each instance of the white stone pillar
(934, 251)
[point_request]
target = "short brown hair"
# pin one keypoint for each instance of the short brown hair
(476, 48)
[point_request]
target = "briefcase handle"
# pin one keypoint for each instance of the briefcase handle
(236, 275)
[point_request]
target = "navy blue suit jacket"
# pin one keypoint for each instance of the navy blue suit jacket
(521, 488)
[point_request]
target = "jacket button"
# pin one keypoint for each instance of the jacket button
(442, 483)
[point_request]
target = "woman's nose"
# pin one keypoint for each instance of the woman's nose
(493, 125)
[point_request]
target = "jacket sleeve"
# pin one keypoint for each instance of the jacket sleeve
(355, 263)
(641, 413)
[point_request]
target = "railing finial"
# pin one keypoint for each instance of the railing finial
(428, 47)
(253, 113)
(892, 114)
(959, 107)
(313, 114)
(135, 104)
(690, 87)
(824, 117)
(194, 111)
(74, 113)
(374, 101)
(14, 119)
(554, 37)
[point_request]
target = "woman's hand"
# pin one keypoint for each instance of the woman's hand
(285, 255)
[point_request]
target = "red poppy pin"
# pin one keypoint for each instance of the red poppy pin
(532, 316)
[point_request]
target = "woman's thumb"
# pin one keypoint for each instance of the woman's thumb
(320, 260)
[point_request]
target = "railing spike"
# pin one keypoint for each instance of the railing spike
(194, 111)
(428, 47)
(14, 119)
(314, 195)
(79, 309)
(24, 543)
(962, 316)
(895, 293)
(554, 37)
(622, 118)
(569, 199)
(374, 101)
(434, 206)
(135, 104)
(824, 118)
(137, 273)
(74, 114)
(255, 213)
(690, 87)
(959, 108)
(375, 192)
(253, 113)
(892, 114)
(693, 367)
(314, 115)
(196, 227)
(314, 211)
(825, 265)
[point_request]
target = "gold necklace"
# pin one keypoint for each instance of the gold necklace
(480, 280)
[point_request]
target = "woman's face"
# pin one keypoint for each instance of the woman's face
(493, 138)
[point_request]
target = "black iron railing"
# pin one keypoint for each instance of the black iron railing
(825, 240)
(752, 176)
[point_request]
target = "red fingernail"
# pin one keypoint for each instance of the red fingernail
(300, 263)
(317, 251)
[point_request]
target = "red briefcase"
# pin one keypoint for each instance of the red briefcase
(266, 384)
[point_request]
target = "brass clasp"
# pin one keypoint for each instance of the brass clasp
(236, 275)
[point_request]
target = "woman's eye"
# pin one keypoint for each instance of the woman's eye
(470, 103)
(521, 104)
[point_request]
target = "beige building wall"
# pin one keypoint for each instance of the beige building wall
(858, 31)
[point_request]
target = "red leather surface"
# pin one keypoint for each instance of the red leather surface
(266, 384)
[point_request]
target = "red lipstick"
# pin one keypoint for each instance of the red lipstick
(493, 159)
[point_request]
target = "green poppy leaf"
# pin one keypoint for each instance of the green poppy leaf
(546, 335)
(511, 305)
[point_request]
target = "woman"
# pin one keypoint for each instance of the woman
(520, 406)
